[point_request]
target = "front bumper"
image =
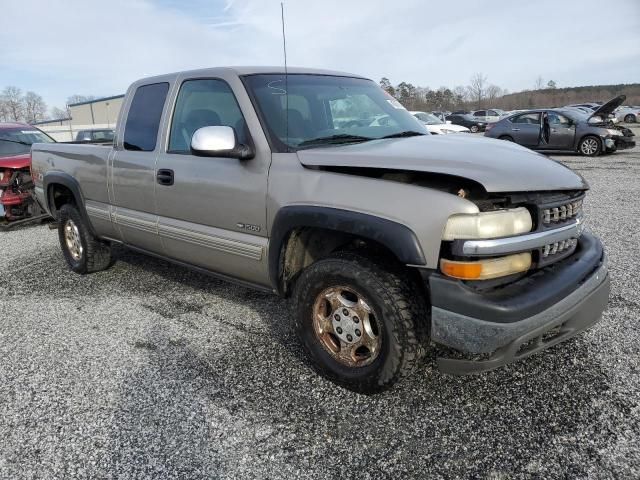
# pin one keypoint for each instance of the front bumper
(531, 315)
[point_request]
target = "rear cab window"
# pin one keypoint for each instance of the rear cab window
(143, 119)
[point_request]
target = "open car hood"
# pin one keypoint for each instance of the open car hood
(16, 161)
(607, 109)
(497, 165)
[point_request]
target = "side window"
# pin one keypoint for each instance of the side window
(480, 113)
(557, 119)
(530, 118)
(204, 103)
(143, 120)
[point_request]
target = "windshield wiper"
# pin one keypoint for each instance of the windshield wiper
(406, 133)
(335, 139)
(14, 141)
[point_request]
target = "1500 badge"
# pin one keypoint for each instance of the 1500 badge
(248, 226)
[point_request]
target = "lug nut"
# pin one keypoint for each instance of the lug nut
(358, 332)
(356, 319)
(349, 337)
(339, 330)
(345, 311)
(337, 317)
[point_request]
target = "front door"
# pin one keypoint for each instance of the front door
(525, 129)
(133, 179)
(562, 132)
(213, 214)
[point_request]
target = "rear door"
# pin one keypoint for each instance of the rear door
(525, 129)
(562, 132)
(133, 178)
(213, 213)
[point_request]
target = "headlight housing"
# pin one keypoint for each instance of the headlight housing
(613, 132)
(485, 225)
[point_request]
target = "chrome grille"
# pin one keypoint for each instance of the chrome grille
(558, 247)
(561, 213)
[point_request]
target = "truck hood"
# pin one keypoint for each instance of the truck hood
(16, 161)
(499, 166)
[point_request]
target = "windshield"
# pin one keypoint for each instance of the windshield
(427, 118)
(16, 141)
(325, 110)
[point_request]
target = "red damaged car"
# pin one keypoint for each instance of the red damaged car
(17, 204)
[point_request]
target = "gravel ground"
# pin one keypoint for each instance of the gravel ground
(149, 370)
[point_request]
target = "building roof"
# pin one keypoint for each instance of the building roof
(42, 122)
(96, 100)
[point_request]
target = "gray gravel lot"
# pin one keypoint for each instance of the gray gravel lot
(149, 370)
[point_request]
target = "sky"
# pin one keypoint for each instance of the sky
(98, 47)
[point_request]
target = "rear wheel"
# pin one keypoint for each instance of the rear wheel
(83, 252)
(508, 138)
(474, 128)
(590, 146)
(630, 118)
(362, 325)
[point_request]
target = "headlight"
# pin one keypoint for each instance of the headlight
(483, 225)
(611, 131)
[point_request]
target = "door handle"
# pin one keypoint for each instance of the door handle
(164, 176)
(515, 129)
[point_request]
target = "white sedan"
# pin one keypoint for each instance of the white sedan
(628, 114)
(435, 125)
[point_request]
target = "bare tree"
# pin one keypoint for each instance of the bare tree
(34, 107)
(58, 113)
(13, 103)
(493, 92)
(539, 83)
(477, 88)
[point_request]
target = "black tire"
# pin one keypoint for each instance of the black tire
(630, 118)
(507, 138)
(400, 312)
(590, 146)
(93, 256)
(474, 128)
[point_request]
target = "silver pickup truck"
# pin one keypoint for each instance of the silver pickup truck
(320, 187)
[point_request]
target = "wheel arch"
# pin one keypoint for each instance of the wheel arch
(59, 188)
(291, 222)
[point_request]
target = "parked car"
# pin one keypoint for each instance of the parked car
(567, 129)
(488, 116)
(384, 238)
(467, 121)
(17, 203)
(628, 114)
(436, 126)
(96, 135)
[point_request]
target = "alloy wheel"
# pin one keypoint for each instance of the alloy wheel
(346, 326)
(589, 146)
(72, 240)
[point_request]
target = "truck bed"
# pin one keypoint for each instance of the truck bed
(86, 163)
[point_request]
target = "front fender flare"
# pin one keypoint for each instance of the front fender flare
(398, 238)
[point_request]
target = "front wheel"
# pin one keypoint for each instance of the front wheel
(590, 146)
(362, 325)
(83, 252)
(630, 118)
(474, 129)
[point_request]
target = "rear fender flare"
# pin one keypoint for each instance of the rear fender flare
(60, 178)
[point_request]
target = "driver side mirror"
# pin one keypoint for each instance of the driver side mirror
(219, 141)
